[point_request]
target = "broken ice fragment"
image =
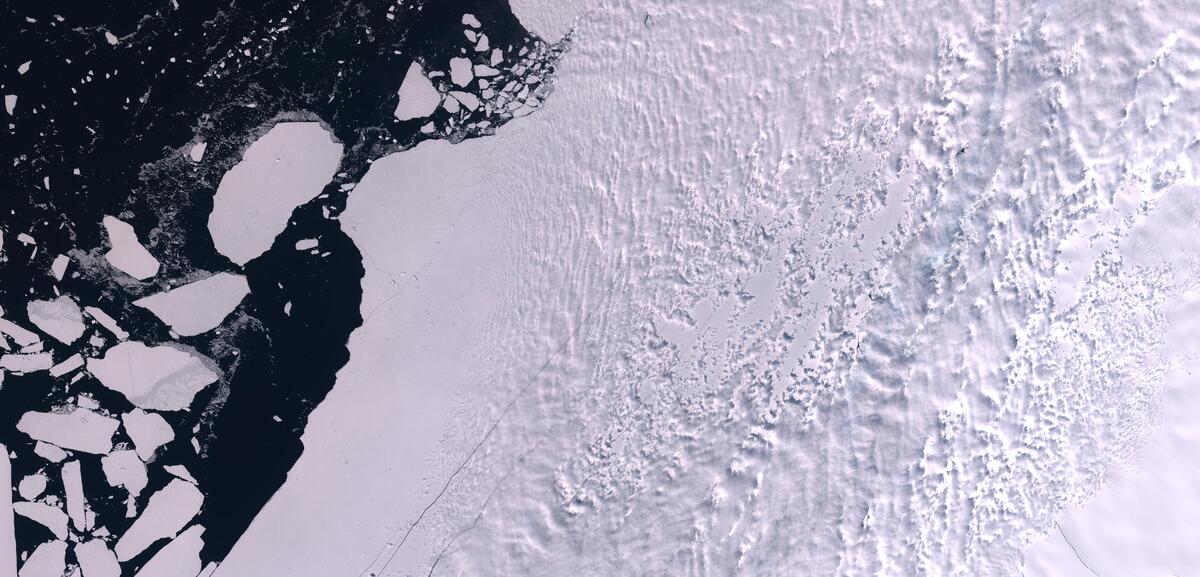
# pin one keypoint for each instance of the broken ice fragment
(467, 99)
(125, 469)
(20, 335)
(59, 266)
(26, 363)
(460, 71)
(10, 103)
(470, 20)
(181, 472)
(79, 430)
(307, 244)
(198, 307)
(418, 97)
(148, 431)
(49, 517)
(107, 322)
(32, 486)
(73, 487)
(8, 538)
(96, 559)
(179, 557)
(73, 362)
(164, 378)
(59, 318)
(48, 560)
(49, 452)
(127, 253)
(168, 511)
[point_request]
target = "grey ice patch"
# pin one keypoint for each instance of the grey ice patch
(164, 378)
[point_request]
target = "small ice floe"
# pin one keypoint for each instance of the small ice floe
(168, 511)
(148, 431)
(470, 101)
(59, 318)
(59, 267)
(96, 559)
(22, 336)
(198, 307)
(32, 486)
(127, 253)
(10, 103)
(49, 452)
(470, 20)
(80, 430)
(460, 71)
(307, 244)
(163, 378)
(417, 96)
(124, 469)
(72, 363)
(181, 472)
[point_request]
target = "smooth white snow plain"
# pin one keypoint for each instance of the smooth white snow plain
(775, 288)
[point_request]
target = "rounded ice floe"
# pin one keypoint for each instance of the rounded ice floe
(283, 169)
(200, 306)
(164, 378)
(127, 253)
(59, 318)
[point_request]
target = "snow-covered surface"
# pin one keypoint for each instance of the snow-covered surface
(161, 377)
(286, 167)
(127, 253)
(776, 286)
(199, 306)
